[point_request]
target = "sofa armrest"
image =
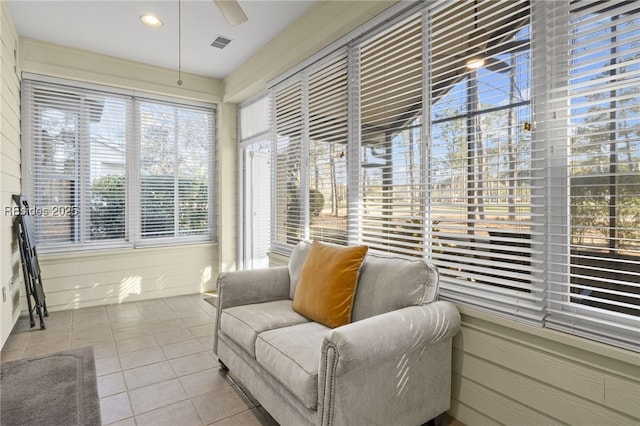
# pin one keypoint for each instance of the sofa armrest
(252, 286)
(238, 288)
(365, 343)
(402, 356)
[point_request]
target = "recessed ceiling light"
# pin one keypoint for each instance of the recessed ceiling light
(151, 21)
(475, 63)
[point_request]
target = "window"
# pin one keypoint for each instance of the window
(174, 170)
(312, 130)
(391, 146)
(482, 193)
(597, 287)
(288, 212)
(498, 140)
(82, 175)
(328, 136)
(255, 201)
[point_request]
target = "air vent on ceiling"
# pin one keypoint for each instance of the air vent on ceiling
(220, 42)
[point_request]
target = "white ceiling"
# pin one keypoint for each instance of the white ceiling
(114, 28)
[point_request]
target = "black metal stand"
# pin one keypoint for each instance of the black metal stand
(29, 259)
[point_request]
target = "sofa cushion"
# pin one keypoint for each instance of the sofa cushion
(292, 356)
(298, 256)
(242, 324)
(328, 283)
(391, 282)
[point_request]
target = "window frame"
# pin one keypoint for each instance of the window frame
(132, 215)
(139, 240)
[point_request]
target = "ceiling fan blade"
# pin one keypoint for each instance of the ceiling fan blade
(516, 45)
(496, 65)
(508, 47)
(231, 11)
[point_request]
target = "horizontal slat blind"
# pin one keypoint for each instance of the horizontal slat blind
(175, 154)
(599, 292)
(482, 187)
(77, 143)
(328, 137)
(391, 148)
(254, 118)
(523, 184)
(288, 211)
(107, 167)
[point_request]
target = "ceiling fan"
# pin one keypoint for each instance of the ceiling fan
(483, 56)
(231, 11)
(495, 43)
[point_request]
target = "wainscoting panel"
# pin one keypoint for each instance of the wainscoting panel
(506, 372)
(10, 272)
(490, 407)
(623, 394)
(540, 366)
(77, 280)
(278, 260)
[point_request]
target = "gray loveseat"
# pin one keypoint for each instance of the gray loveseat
(390, 366)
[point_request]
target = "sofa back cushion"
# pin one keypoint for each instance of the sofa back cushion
(390, 282)
(386, 282)
(298, 256)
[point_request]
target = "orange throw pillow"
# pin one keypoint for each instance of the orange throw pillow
(328, 281)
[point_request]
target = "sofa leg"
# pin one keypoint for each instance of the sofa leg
(223, 368)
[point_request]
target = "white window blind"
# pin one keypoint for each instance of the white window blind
(288, 204)
(77, 158)
(499, 140)
(175, 155)
(597, 289)
(82, 175)
(328, 136)
(254, 118)
(482, 192)
(392, 185)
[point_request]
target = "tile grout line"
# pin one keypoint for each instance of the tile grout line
(191, 321)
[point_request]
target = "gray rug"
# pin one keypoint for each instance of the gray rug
(54, 389)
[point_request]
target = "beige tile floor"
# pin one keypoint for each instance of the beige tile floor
(154, 362)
